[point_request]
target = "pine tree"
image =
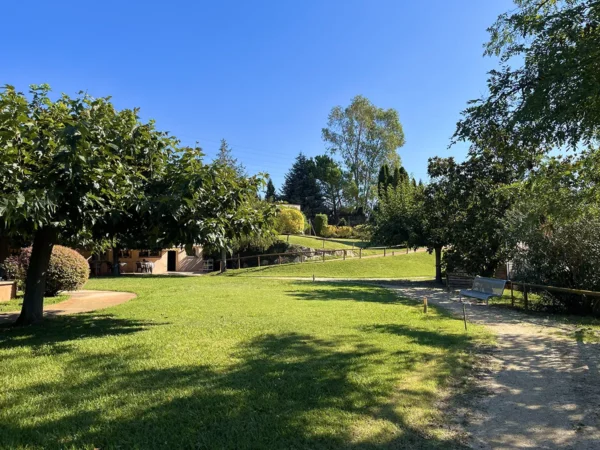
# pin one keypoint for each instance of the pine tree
(270, 194)
(301, 188)
(383, 180)
(226, 158)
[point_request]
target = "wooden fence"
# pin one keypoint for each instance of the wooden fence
(527, 288)
(269, 259)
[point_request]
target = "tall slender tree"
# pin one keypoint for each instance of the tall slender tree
(301, 187)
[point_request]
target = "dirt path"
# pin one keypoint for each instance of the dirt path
(78, 302)
(543, 388)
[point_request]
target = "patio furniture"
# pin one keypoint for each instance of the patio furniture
(138, 266)
(144, 266)
(484, 289)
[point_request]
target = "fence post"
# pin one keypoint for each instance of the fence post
(512, 295)
(344, 255)
(259, 261)
(359, 252)
(525, 297)
(239, 261)
(279, 259)
(323, 255)
(301, 257)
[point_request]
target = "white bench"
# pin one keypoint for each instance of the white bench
(484, 289)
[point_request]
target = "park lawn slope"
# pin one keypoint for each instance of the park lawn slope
(403, 266)
(232, 363)
(327, 244)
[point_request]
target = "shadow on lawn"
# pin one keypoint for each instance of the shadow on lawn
(283, 391)
(350, 291)
(60, 329)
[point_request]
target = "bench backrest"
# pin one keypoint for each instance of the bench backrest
(458, 280)
(489, 285)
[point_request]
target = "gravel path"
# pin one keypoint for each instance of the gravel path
(542, 388)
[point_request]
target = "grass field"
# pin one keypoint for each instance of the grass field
(412, 265)
(231, 363)
(334, 244)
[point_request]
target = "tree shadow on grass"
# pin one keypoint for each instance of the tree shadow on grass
(281, 391)
(423, 337)
(60, 329)
(350, 291)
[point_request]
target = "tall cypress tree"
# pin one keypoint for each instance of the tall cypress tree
(383, 180)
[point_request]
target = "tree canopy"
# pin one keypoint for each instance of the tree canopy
(301, 187)
(546, 93)
(365, 137)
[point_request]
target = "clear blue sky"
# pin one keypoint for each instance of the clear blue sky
(263, 75)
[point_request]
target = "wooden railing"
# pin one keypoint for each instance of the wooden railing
(313, 255)
(527, 288)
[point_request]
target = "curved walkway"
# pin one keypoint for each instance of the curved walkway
(78, 302)
(541, 387)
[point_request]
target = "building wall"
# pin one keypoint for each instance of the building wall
(183, 262)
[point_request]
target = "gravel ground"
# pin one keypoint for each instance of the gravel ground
(541, 388)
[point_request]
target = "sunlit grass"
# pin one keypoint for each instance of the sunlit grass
(219, 362)
(401, 266)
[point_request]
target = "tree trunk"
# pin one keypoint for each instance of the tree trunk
(223, 260)
(4, 248)
(116, 269)
(438, 265)
(35, 283)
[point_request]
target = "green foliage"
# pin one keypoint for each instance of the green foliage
(225, 158)
(395, 220)
(270, 194)
(545, 94)
(342, 222)
(320, 223)
(342, 232)
(301, 187)
(334, 182)
(365, 137)
(553, 228)
(289, 221)
(68, 270)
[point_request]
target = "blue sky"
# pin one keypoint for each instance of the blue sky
(263, 75)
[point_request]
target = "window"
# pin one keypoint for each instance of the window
(124, 253)
(150, 253)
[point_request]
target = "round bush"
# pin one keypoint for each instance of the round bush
(289, 221)
(68, 270)
(320, 223)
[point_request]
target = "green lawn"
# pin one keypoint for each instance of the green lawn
(219, 362)
(15, 305)
(413, 265)
(334, 244)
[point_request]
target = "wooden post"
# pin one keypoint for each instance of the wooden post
(239, 262)
(323, 255)
(344, 255)
(279, 257)
(425, 305)
(512, 295)
(313, 277)
(359, 252)
(301, 257)
(465, 316)
(525, 297)
(393, 253)
(259, 261)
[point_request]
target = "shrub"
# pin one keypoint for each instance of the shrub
(320, 223)
(289, 221)
(68, 270)
(12, 269)
(344, 232)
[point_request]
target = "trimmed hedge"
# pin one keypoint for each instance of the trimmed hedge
(320, 223)
(68, 270)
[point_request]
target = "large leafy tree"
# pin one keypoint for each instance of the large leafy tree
(365, 137)
(65, 166)
(333, 182)
(546, 92)
(474, 191)
(300, 187)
